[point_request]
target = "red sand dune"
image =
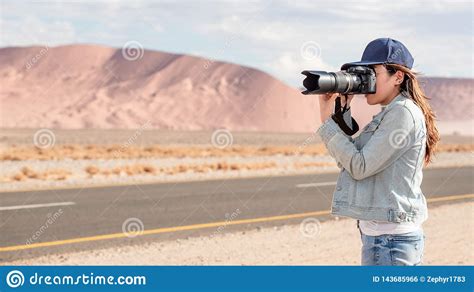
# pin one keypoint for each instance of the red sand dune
(89, 86)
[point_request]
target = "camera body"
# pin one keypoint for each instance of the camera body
(354, 80)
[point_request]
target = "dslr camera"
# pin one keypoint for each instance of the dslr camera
(354, 80)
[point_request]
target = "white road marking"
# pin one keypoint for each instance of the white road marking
(36, 206)
(321, 184)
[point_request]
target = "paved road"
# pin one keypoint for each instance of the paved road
(29, 219)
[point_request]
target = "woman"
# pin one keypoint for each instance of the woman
(381, 169)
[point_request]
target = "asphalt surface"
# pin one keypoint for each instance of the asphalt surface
(28, 218)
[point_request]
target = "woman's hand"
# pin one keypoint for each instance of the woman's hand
(326, 104)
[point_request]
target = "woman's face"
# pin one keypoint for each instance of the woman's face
(388, 86)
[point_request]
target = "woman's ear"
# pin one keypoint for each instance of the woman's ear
(399, 76)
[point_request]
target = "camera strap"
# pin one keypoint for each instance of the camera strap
(338, 117)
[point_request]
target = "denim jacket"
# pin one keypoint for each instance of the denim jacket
(381, 169)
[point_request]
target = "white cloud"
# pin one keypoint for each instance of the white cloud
(252, 28)
(289, 65)
(35, 31)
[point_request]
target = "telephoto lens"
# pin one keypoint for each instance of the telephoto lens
(354, 80)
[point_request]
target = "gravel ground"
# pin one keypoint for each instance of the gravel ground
(448, 230)
(285, 165)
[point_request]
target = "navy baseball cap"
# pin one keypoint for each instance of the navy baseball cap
(384, 51)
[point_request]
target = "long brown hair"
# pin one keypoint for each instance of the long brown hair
(411, 86)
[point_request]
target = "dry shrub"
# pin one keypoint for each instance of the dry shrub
(29, 173)
(78, 151)
(91, 170)
(456, 148)
(56, 174)
(50, 174)
(19, 177)
(312, 164)
(137, 169)
(121, 170)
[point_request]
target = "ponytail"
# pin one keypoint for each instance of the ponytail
(411, 87)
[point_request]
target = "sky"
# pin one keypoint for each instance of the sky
(280, 37)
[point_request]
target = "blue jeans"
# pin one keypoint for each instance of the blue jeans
(393, 249)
